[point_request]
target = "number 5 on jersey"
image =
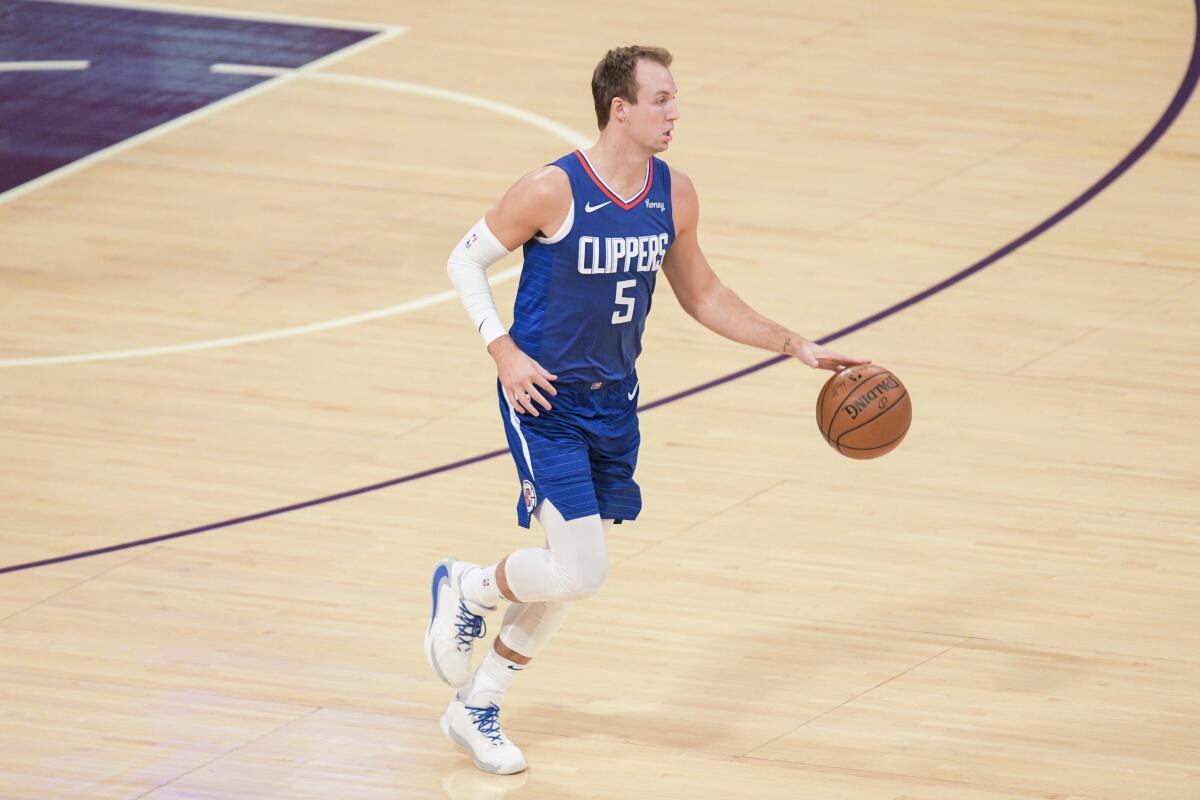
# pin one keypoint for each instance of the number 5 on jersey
(625, 314)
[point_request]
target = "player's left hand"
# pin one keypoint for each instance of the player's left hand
(821, 357)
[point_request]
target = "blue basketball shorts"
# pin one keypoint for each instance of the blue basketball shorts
(581, 454)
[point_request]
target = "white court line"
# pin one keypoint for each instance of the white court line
(40, 66)
(192, 116)
(572, 136)
(412, 305)
(260, 16)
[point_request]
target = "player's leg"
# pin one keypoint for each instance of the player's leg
(527, 627)
(554, 463)
(589, 476)
(472, 718)
(549, 447)
(573, 565)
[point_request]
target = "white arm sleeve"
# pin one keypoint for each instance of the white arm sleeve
(467, 266)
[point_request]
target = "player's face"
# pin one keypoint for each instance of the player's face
(653, 118)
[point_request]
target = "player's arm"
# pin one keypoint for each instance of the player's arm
(537, 202)
(714, 305)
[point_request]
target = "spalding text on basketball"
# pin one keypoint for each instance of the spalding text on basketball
(876, 391)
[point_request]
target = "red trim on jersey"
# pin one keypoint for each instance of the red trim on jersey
(599, 183)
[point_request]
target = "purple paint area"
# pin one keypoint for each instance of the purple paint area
(1182, 95)
(147, 68)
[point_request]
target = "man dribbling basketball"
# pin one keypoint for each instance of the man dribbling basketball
(566, 382)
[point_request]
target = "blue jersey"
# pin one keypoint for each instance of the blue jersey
(583, 298)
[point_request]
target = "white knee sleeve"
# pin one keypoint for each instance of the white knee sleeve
(574, 565)
(528, 626)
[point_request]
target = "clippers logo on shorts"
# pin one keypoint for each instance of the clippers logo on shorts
(530, 496)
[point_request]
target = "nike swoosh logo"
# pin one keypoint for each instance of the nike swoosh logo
(589, 208)
(439, 575)
(635, 388)
(516, 669)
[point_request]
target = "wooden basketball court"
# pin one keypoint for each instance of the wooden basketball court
(1004, 607)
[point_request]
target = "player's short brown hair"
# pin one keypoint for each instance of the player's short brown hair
(616, 76)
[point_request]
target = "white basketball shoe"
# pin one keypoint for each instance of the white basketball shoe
(454, 625)
(476, 730)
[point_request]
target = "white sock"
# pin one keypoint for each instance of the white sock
(490, 681)
(479, 588)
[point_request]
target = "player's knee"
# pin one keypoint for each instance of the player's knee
(583, 578)
(580, 553)
(592, 577)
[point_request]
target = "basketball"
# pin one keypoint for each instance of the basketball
(864, 412)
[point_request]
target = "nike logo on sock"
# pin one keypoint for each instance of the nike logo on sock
(635, 388)
(515, 669)
(589, 208)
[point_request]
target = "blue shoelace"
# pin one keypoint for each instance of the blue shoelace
(487, 720)
(470, 626)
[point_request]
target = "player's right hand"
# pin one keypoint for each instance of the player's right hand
(521, 376)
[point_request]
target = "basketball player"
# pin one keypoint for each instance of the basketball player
(596, 226)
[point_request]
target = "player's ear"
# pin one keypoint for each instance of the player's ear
(618, 112)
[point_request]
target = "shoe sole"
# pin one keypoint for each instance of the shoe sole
(466, 748)
(429, 631)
